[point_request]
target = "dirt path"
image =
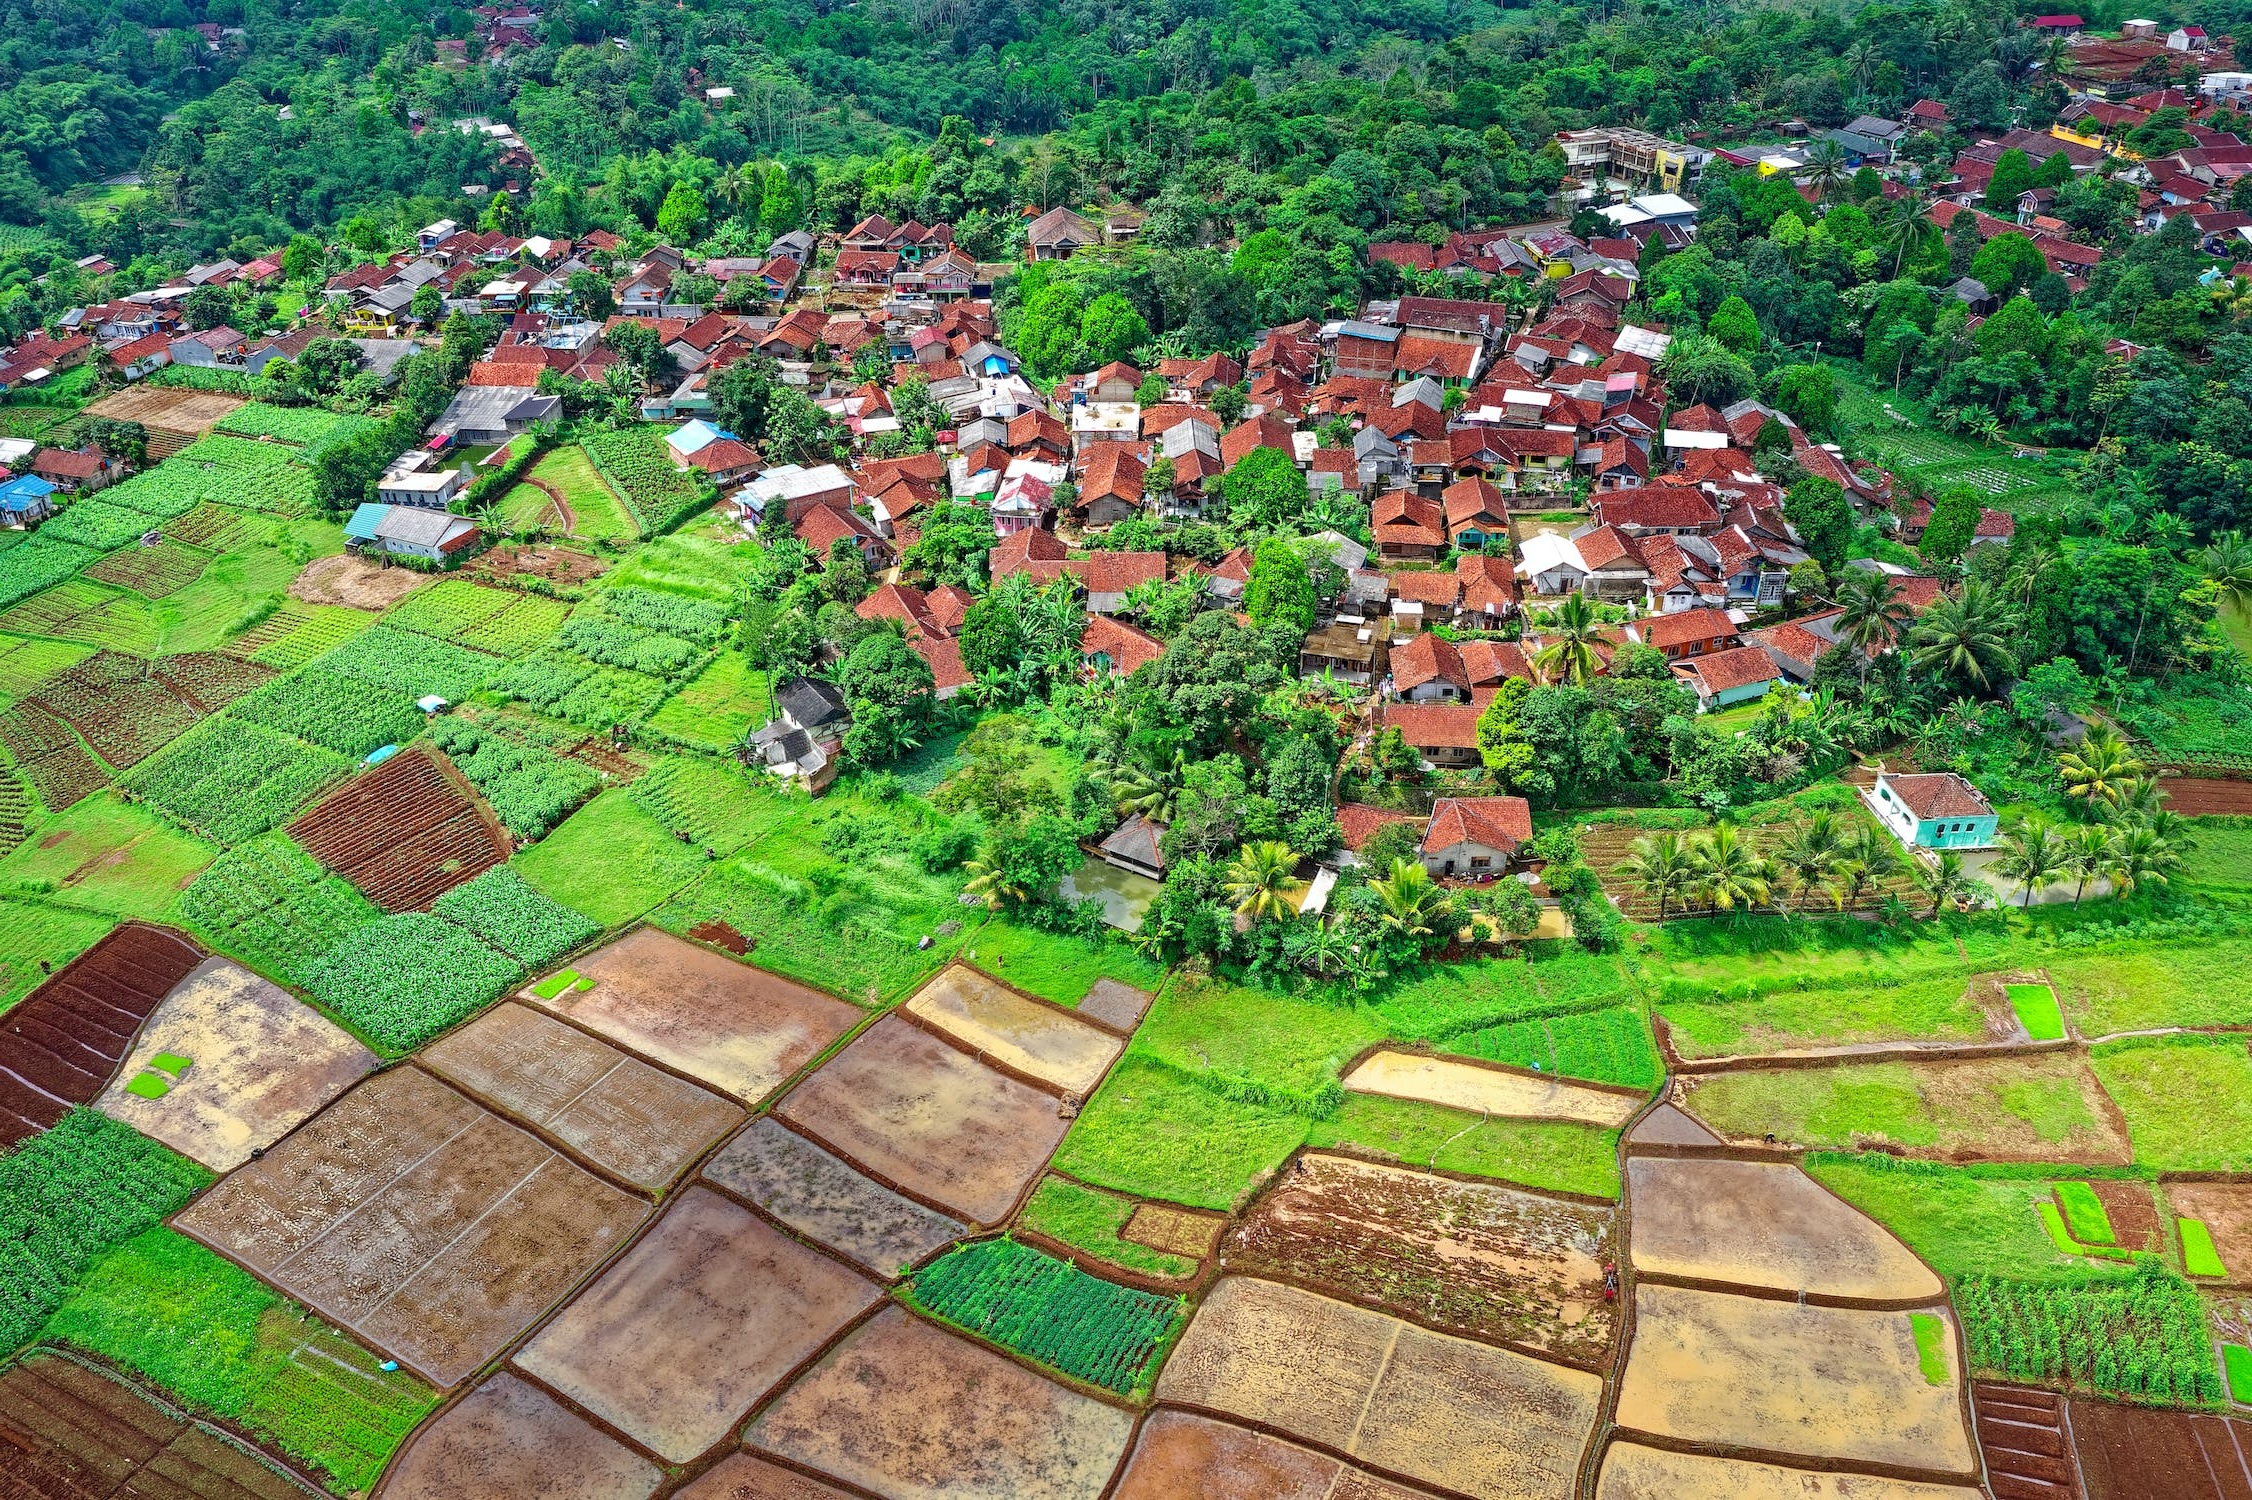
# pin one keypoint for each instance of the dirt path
(555, 498)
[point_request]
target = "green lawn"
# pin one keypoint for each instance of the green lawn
(1151, 1132)
(1922, 1010)
(109, 855)
(714, 709)
(1090, 1219)
(2135, 988)
(1960, 1220)
(34, 932)
(2019, 1106)
(1447, 1000)
(1059, 967)
(2188, 1100)
(2220, 867)
(610, 860)
(596, 514)
(707, 558)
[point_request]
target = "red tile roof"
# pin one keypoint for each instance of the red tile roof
(1739, 667)
(1426, 658)
(1117, 572)
(944, 656)
(1126, 647)
(1504, 823)
(1688, 625)
(1359, 822)
(1434, 726)
(1941, 794)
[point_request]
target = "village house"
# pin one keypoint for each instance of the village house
(1735, 675)
(1475, 837)
(1444, 735)
(1939, 810)
(804, 741)
(410, 531)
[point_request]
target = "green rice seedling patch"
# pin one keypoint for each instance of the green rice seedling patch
(530, 786)
(610, 860)
(1548, 1155)
(2187, 1099)
(556, 983)
(1050, 1311)
(271, 905)
(718, 706)
(1931, 1346)
(401, 980)
(413, 664)
(2199, 1258)
(153, 572)
(231, 780)
(2037, 1011)
(70, 1196)
(2061, 1237)
(2221, 872)
(28, 660)
(2236, 1365)
(1059, 966)
(716, 805)
(1092, 1220)
(2084, 1215)
(509, 915)
(220, 1343)
(352, 718)
(2142, 1336)
(1612, 1045)
(33, 932)
(40, 563)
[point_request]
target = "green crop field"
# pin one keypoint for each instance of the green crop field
(1058, 966)
(610, 860)
(713, 710)
(109, 855)
(510, 916)
(2188, 1100)
(400, 980)
(2140, 1336)
(1050, 1311)
(1962, 1220)
(1612, 1045)
(35, 932)
(268, 903)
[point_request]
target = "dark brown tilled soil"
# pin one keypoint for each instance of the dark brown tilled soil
(824, 1199)
(2134, 1453)
(61, 1043)
(404, 833)
(508, 1440)
(2028, 1455)
(2133, 1214)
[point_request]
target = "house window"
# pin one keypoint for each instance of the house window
(1479, 862)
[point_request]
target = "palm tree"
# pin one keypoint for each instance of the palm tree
(1811, 855)
(1871, 614)
(1825, 168)
(1730, 871)
(1905, 230)
(2033, 856)
(2140, 857)
(2100, 768)
(1662, 867)
(1261, 878)
(1944, 882)
(990, 879)
(1319, 948)
(2088, 852)
(1155, 795)
(1965, 636)
(1870, 857)
(2227, 565)
(1413, 902)
(1570, 652)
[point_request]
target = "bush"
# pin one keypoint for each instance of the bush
(401, 980)
(1051, 1311)
(508, 914)
(69, 1197)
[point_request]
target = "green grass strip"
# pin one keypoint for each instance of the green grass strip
(2236, 1363)
(2199, 1258)
(2037, 1011)
(2062, 1238)
(1931, 1346)
(555, 984)
(2084, 1215)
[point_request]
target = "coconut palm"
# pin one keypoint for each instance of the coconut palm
(1662, 868)
(2101, 768)
(1153, 794)
(2034, 856)
(1413, 903)
(1318, 948)
(990, 880)
(2140, 857)
(1826, 169)
(1871, 614)
(2227, 565)
(1945, 882)
(1965, 637)
(1570, 653)
(1869, 857)
(1905, 230)
(1810, 856)
(2088, 852)
(1730, 870)
(1261, 879)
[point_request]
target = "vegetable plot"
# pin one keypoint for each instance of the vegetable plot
(2141, 1335)
(402, 979)
(501, 909)
(268, 902)
(336, 713)
(230, 780)
(1050, 1311)
(634, 461)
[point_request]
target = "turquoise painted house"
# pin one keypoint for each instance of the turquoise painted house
(1935, 811)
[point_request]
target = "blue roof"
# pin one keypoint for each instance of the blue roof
(22, 494)
(361, 528)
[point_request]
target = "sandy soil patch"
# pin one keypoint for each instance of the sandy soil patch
(409, 1214)
(1667, 1126)
(1821, 1382)
(906, 1410)
(355, 582)
(1764, 1224)
(616, 1111)
(1176, 1231)
(507, 1440)
(702, 1317)
(259, 1064)
(824, 1199)
(938, 1123)
(2225, 1208)
(1633, 1472)
(1483, 1261)
(2134, 1453)
(742, 1477)
(1025, 1036)
(1116, 1005)
(1444, 1410)
(1460, 1085)
(738, 1028)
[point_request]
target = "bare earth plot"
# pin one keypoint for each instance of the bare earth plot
(434, 1229)
(1038, 1040)
(259, 1064)
(824, 1199)
(702, 1317)
(905, 1410)
(738, 1028)
(1633, 1472)
(507, 1440)
(1179, 1454)
(1461, 1085)
(742, 1477)
(2135, 1453)
(636, 1122)
(1464, 1416)
(1118, 1006)
(355, 582)
(1764, 1224)
(937, 1123)
(2028, 1453)
(1483, 1261)
(2225, 1208)
(167, 408)
(60, 1044)
(1777, 1378)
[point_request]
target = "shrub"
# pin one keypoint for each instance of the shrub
(1051, 1311)
(402, 979)
(508, 914)
(70, 1196)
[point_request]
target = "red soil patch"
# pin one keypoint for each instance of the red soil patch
(2194, 796)
(721, 935)
(2133, 1214)
(122, 706)
(2134, 1453)
(2028, 1454)
(405, 833)
(60, 1046)
(743, 1477)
